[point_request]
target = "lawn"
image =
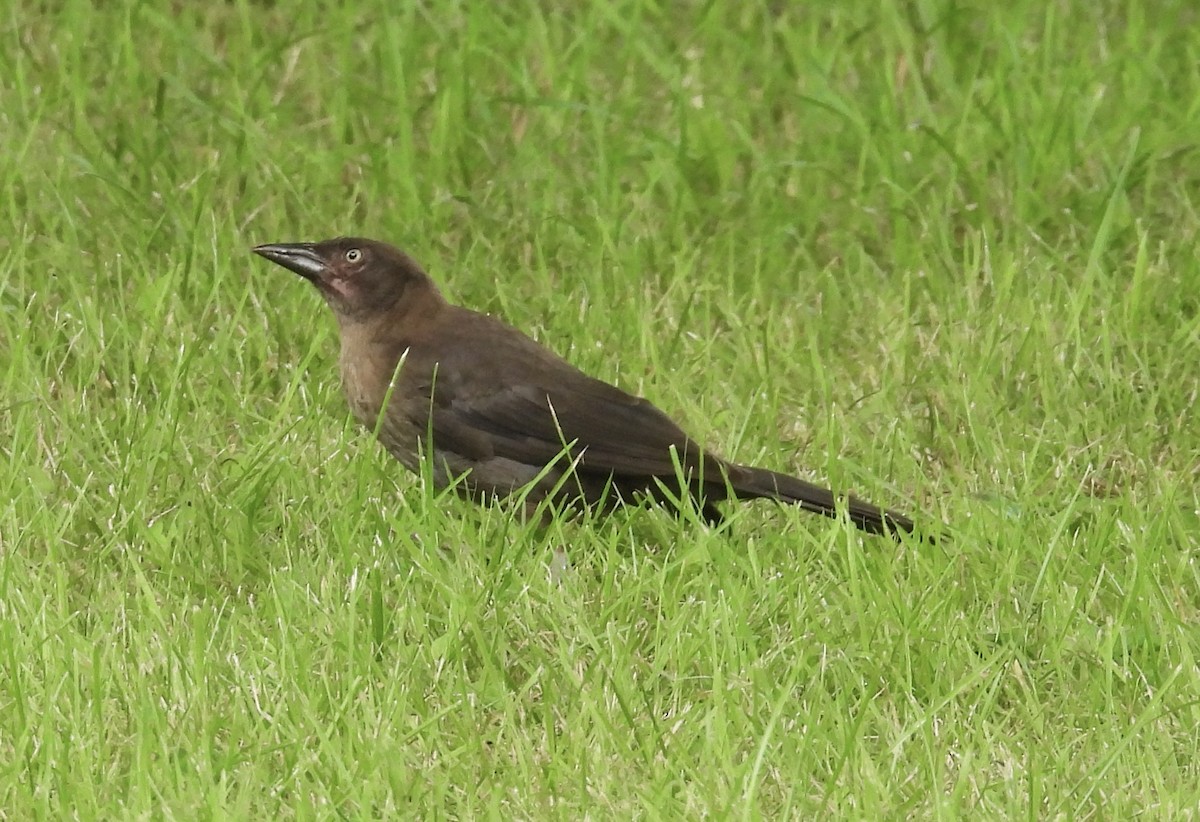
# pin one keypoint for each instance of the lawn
(941, 254)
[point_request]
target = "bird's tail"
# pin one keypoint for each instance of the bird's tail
(749, 483)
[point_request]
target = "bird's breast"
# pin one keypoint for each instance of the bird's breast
(381, 409)
(364, 396)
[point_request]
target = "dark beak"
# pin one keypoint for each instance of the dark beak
(301, 258)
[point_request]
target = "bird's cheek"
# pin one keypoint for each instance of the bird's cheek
(340, 287)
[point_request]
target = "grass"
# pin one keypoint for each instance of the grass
(943, 254)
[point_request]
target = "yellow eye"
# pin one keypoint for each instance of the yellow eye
(353, 255)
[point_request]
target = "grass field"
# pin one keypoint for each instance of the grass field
(939, 253)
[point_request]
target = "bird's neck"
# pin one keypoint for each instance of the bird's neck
(374, 345)
(405, 316)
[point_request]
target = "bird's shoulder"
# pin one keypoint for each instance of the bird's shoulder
(479, 354)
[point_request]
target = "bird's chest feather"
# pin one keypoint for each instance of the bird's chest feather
(382, 398)
(364, 387)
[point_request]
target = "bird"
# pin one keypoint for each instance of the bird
(502, 417)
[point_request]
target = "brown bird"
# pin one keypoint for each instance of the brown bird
(501, 413)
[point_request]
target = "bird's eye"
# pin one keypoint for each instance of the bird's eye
(353, 255)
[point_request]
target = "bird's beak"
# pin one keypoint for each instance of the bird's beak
(301, 258)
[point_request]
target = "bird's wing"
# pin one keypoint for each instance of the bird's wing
(605, 428)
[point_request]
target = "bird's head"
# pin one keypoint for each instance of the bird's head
(356, 276)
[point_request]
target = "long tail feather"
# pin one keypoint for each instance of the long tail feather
(761, 483)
